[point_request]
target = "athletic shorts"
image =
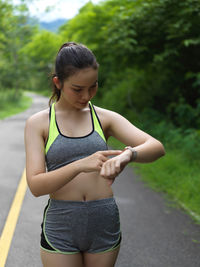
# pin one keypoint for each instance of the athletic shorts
(71, 227)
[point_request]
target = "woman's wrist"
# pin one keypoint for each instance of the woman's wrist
(133, 152)
(81, 165)
(128, 154)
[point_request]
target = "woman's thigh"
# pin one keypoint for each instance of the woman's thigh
(106, 259)
(61, 260)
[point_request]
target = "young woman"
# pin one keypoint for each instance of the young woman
(81, 226)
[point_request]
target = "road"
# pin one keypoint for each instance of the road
(154, 233)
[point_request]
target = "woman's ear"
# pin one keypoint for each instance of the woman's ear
(57, 82)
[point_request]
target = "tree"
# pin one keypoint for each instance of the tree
(15, 33)
(40, 54)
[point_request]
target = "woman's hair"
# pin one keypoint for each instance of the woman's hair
(71, 58)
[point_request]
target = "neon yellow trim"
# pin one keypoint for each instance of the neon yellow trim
(113, 247)
(56, 250)
(53, 131)
(97, 126)
(110, 249)
(65, 253)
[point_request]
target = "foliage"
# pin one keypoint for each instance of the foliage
(173, 174)
(40, 54)
(15, 33)
(12, 104)
(148, 52)
(157, 41)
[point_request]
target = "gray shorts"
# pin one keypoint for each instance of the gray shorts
(81, 226)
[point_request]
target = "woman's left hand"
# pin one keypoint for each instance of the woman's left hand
(112, 167)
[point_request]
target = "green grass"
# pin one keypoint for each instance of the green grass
(11, 106)
(174, 175)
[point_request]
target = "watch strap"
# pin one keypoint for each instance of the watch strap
(134, 152)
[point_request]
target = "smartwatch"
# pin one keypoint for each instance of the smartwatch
(134, 152)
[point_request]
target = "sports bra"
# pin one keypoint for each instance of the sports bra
(61, 150)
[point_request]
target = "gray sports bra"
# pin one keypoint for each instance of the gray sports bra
(61, 150)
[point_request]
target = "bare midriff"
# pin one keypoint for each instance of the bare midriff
(84, 187)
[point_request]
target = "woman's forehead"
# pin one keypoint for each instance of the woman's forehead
(84, 77)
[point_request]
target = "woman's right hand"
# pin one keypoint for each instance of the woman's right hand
(95, 161)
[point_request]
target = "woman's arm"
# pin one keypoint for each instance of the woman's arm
(41, 182)
(147, 147)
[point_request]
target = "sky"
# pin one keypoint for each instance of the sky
(66, 9)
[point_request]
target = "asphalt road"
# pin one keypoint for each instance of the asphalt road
(154, 233)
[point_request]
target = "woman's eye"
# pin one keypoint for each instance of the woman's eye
(77, 90)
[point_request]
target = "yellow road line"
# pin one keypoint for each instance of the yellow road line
(9, 227)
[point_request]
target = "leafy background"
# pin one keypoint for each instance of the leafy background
(148, 51)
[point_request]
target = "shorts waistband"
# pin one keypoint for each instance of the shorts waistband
(88, 203)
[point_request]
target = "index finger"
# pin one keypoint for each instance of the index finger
(111, 152)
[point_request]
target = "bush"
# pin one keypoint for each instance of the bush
(9, 96)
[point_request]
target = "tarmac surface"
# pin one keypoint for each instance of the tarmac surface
(154, 234)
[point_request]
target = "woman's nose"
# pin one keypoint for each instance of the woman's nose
(86, 96)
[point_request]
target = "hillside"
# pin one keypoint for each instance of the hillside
(52, 25)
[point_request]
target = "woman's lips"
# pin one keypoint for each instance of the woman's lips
(83, 103)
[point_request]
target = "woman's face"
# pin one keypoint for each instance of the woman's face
(79, 88)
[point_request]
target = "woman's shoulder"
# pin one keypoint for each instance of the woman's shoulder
(106, 114)
(107, 118)
(39, 120)
(110, 119)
